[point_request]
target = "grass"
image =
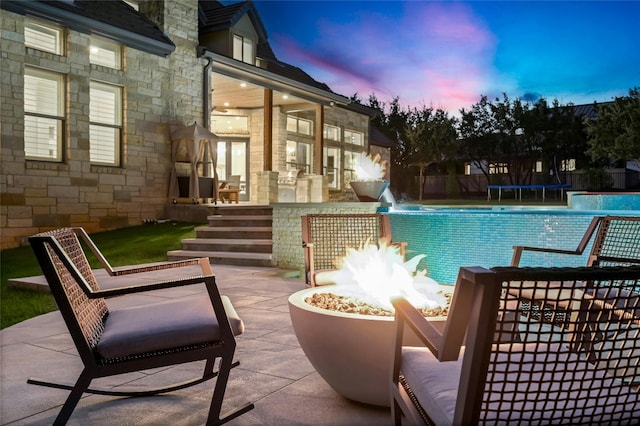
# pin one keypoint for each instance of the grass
(127, 246)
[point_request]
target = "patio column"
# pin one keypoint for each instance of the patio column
(268, 130)
(317, 152)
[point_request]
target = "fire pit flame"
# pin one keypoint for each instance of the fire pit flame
(369, 168)
(376, 273)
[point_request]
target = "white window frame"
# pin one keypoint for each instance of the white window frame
(351, 158)
(43, 36)
(106, 53)
(331, 133)
(299, 156)
(44, 114)
(243, 49)
(105, 123)
(353, 137)
(298, 125)
(333, 172)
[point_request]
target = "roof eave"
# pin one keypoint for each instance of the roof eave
(251, 74)
(89, 26)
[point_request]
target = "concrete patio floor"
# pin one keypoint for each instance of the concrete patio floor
(274, 373)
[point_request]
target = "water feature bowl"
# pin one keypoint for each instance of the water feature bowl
(351, 352)
(369, 190)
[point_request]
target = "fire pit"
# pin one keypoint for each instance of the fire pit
(352, 351)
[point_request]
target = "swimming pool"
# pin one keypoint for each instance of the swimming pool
(451, 238)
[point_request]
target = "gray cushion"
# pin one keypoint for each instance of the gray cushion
(165, 325)
(435, 384)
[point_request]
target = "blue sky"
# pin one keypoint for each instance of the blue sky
(446, 54)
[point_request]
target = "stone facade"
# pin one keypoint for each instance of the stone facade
(158, 91)
(287, 227)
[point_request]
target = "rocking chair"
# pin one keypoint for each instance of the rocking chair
(112, 342)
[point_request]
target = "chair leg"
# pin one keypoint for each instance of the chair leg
(215, 418)
(81, 385)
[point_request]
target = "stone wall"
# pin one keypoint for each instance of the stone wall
(40, 195)
(287, 227)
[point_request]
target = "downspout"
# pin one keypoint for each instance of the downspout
(206, 95)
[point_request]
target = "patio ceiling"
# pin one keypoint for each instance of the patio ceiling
(231, 93)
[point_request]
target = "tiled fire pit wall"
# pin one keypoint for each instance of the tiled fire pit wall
(287, 227)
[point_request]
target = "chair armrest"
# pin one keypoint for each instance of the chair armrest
(517, 252)
(125, 270)
(140, 288)
(423, 329)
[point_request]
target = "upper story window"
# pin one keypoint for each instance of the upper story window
(105, 52)
(43, 36)
(105, 123)
(243, 49)
(353, 137)
(43, 114)
(299, 125)
(331, 132)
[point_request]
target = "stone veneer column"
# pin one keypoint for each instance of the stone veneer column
(267, 187)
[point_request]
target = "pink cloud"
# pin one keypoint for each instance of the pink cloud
(436, 54)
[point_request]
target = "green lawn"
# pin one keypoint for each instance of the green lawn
(127, 246)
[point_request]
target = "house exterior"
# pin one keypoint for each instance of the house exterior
(90, 92)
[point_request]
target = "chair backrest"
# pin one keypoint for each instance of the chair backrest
(67, 271)
(551, 345)
(332, 234)
(617, 242)
(233, 182)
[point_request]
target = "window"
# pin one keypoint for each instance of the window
(105, 123)
(537, 168)
(43, 114)
(498, 168)
(299, 125)
(105, 52)
(332, 166)
(350, 161)
(568, 165)
(331, 132)
(467, 169)
(43, 36)
(299, 156)
(243, 49)
(354, 138)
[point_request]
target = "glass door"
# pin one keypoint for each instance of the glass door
(233, 159)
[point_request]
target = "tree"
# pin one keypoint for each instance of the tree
(615, 134)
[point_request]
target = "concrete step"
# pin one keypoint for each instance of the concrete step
(239, 220)
(225, 258)
(232, 232)
(228, 210)
(248, 245)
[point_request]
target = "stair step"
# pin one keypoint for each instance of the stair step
(225, 258)
(240, 216)
(228, 245)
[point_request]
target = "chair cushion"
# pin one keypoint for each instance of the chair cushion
(165, 325)
(435, 384)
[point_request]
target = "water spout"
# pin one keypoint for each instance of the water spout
(388, 197)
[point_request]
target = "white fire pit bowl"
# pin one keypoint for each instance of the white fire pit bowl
(351, 352)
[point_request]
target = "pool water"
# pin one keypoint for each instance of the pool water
(451, 238)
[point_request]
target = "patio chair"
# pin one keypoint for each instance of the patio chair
(112, 342)
(524, 346)
(617, 242)
(325, 238)
(136, 269)
(229, 189)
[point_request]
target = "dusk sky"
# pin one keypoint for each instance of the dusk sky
(445, 54)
